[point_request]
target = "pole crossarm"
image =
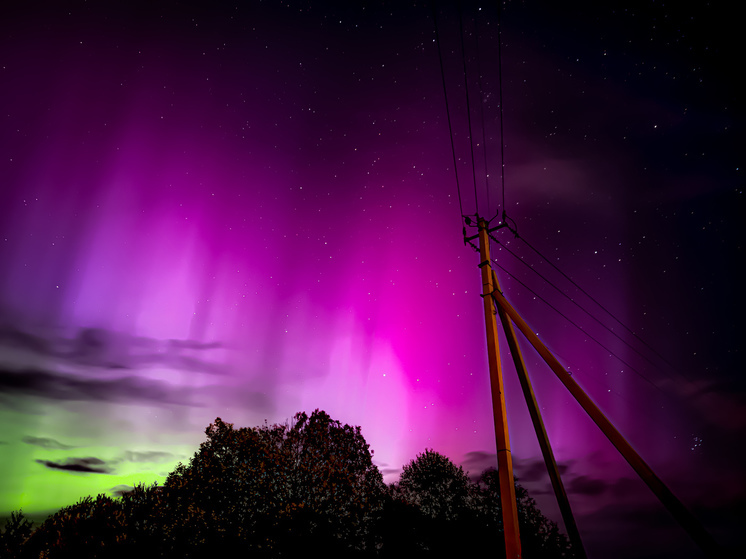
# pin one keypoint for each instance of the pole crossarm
(687, 520)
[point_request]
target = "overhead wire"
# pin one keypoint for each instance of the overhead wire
(588, 378)
(500, 101)
(573, 323)
(607, 311)
(671, 503)
(576, 303)
(600, 344)
(669, 500)
(505, 218)
(515, 232)
(468, 108)
(481, 116)
(448, 112)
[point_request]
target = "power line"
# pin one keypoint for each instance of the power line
(574, 302)
(448, 112)
(646, 344)
(468, 109)
(555, 309)
(481, 116)
(500, 99)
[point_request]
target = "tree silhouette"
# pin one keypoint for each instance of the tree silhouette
(445, 513)
(93, 527)
(17, 529)
(284, 491)
(436, 485)
(540, 537)
(277, 489)
(438, 507)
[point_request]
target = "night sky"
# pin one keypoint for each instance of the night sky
(249, 209)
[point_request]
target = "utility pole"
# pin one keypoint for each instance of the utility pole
(504, 456)
(541, 432)
(686, 519)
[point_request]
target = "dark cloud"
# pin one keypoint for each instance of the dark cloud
(390, 471)
(149, 456)
(115, 350)
(184, 363)
(108, 349)
(56, 386)
(526, 471)
(624, 487)
(261, 402)
(119, 490)
(629, 505)
(585, 485)
(537, 489)
(477, 461)
(100, 348)
(635, 523)
(14, 337)
(46, 442)
(531, 470)
(193, 344)
(88, 465)
(535, 470)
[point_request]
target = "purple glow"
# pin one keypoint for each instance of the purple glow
(254, 215)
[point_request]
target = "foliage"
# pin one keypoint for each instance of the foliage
(272, 491)
(437, 505)
(285, 491)
(276, 490)
(92, 528)
(16, 531)
(540, 537)
(446, 514)
(436, 486)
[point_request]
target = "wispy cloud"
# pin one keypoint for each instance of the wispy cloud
(14, 337)
(107, 349)
(586, 485)
(148, 456)
(57, 386)
(46, 442)
(477, 461)
(88, 465)
(389, 471)
(119, 490)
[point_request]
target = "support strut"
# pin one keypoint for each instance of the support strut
(541, 432)
(687, 520)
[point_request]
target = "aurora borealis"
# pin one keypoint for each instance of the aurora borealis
(249, 209)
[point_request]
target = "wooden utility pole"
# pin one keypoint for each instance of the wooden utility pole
(495, 303)
(541, 432)
(504, 457)
(687, 520)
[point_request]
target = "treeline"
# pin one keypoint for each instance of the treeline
(287, 491)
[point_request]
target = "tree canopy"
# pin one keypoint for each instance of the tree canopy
(278, 488)
(436, 486)
(447, 513)
(285, 490)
